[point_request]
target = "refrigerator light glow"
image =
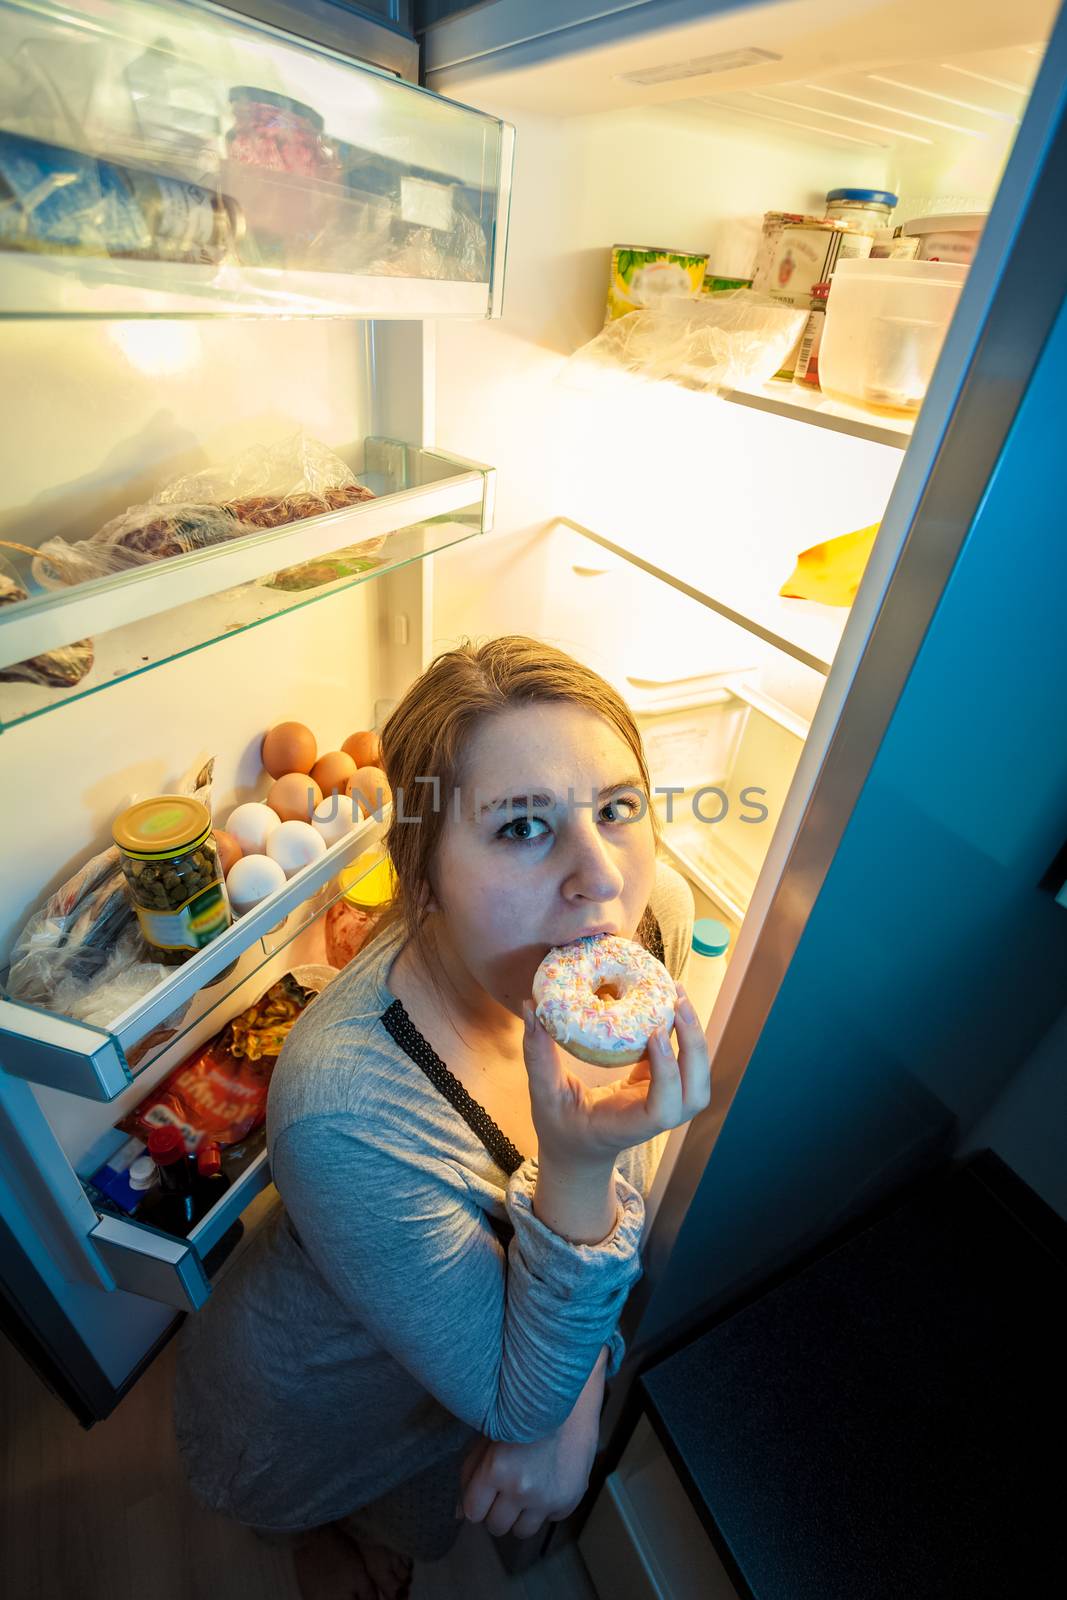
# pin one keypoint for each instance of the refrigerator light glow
(158, 349)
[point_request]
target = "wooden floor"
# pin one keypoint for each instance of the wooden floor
(105, 1515)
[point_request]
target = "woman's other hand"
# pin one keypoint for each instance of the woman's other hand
(582, 1126)
(517, 1488)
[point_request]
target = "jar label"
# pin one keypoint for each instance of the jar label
(192, 926)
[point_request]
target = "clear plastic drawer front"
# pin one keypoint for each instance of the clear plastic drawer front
(172, 158)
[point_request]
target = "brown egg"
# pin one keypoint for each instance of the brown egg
(371, 788)
(333, 771)
(364, 748)
(229, 848)
(289, 747)
(289, 797)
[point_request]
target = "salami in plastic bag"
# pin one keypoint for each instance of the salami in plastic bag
(265, 487)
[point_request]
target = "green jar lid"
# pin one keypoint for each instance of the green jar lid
(710, 938)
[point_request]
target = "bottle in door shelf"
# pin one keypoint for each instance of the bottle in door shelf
(172, 1207)
(707, 967)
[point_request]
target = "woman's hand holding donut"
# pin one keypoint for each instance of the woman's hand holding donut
(587, 1126)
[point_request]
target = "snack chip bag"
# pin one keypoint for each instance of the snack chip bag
(219, 1093)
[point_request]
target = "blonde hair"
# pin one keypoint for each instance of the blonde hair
(427, 735)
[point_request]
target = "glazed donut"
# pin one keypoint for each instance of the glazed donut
(602, 998)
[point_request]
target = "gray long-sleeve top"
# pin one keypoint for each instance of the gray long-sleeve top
(404, 1297)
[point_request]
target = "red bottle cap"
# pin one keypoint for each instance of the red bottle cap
(166, 1145)
(209, 1160)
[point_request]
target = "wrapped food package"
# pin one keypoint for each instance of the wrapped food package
(82, 955)
(267, 486)
(830, 572)
(219, 1093)
(55, 669)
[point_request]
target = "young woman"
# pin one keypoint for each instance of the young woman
(425, 1332)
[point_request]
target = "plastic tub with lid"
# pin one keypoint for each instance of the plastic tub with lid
(947, 238)
(885, 324)
(865, 210)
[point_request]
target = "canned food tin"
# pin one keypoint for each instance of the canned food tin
(807, 254)
(643, 275)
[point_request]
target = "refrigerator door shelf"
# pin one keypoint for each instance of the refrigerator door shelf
(733, 762)
(96, 1062)
(138, 618)
(176, 159)
(153, 1265)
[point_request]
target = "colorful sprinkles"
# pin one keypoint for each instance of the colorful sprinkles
(570, 1008)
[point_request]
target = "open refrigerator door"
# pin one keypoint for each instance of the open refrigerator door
(665, 532)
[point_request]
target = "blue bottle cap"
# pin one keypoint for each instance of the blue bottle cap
(710, 938)
(874, 197)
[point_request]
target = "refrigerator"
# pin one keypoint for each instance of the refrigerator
(403, 302)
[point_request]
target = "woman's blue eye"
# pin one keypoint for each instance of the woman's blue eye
(629, 804)
(523, 823)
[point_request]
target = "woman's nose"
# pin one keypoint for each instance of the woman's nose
(592, 872)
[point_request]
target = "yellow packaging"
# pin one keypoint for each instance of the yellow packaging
(831, 572)
(644, 275)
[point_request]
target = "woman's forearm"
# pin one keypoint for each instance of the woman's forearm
(577, 1202)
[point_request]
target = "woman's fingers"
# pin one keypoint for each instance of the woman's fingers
(527, 1524)
(694, 1064)
(502, 1516)
(539, 1053)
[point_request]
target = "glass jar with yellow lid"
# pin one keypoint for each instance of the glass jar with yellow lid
(171, 865)
(369, 885)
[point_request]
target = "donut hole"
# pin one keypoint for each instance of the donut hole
(609, 989)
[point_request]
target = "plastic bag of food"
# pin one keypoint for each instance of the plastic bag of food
(60, 668)
(82, 953)
(722, 341)
(266, 486)
(219, 1093)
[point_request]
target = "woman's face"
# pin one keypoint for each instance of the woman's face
(549, 839)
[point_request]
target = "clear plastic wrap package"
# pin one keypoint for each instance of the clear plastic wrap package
(266, 486)
(722, 341)
(59, 668)
(82, 953)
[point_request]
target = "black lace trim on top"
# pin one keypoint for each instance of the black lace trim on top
(400, 1027)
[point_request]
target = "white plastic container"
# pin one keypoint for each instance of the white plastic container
(885, 324)
(947, 238)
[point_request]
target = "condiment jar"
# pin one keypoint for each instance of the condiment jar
(283, 135)
(353, 917)
(865, 210)
(171, 865)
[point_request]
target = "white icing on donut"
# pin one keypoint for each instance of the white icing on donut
(570, 1009)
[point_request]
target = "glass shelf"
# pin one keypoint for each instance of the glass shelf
(803, 629)
(813, 407)
(195, 1000)
(145, 616)
(175, 158)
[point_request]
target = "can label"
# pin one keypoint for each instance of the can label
(808, 255)
(186, 213)
(642, 276)
(192, 925)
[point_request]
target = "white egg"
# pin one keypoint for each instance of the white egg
(251, 880)
(252, 825)
(295, 845)
(337, 815)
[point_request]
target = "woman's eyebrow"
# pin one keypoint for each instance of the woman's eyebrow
(543, 800)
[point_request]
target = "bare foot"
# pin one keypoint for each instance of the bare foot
(391, 1571)
(330, 1567)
